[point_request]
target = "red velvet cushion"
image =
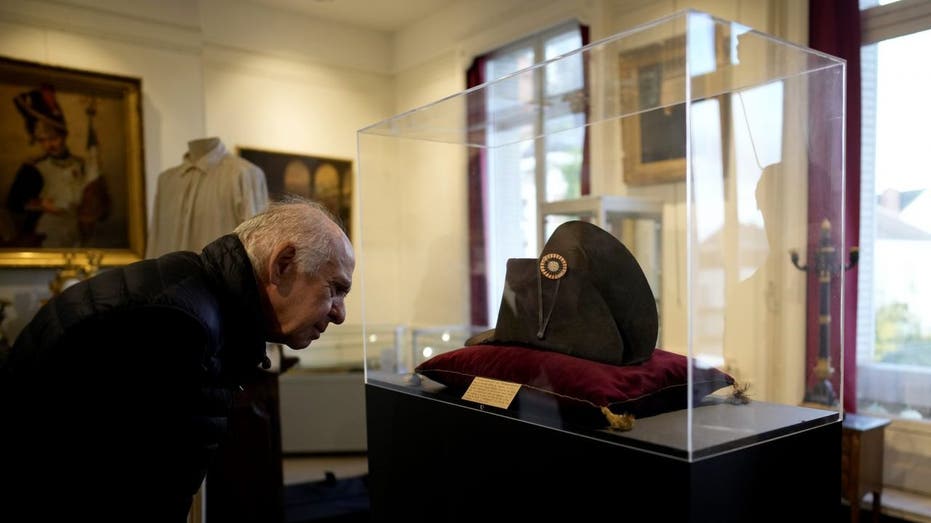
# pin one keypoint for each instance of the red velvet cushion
(657, 385)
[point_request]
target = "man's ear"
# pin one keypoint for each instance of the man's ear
(282, 261)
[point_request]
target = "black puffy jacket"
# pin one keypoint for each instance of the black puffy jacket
(118, 391)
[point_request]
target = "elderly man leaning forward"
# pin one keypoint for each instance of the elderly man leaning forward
(116, 394)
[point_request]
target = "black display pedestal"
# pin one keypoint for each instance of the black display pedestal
(440, 461)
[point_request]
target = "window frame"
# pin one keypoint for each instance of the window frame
(908, 442)
(537, 43)
(877, 24)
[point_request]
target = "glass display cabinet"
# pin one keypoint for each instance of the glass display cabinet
(710, 151)
(343, 348)
(322, 394)
(427, 342)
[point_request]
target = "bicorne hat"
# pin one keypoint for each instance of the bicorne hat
(586, 296)
(40, 107)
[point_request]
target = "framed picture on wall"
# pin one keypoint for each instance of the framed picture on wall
(652, 89)
(653, 141)
(319, 178)
(71, 166)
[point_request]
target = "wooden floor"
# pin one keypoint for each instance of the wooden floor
(304, 468)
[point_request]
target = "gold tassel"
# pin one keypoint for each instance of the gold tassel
(618, 421)
(739, 394)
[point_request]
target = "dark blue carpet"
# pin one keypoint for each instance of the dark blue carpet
(332, 500)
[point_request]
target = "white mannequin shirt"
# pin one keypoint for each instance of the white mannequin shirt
(204, 198)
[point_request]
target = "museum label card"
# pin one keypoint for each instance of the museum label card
(491, 392)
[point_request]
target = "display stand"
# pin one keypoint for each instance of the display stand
(445, 462)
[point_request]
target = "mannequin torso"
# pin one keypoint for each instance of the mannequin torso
(206, 196)
(198, 148)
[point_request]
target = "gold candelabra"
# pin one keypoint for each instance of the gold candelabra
(826, 265)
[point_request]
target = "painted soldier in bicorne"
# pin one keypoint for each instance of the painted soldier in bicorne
(57, 198)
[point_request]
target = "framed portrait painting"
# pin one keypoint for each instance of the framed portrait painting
(322, 179)
(71, 166)
(652, 89)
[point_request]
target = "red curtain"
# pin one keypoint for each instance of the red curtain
(585, 173)
(834, 28)
(478, 277)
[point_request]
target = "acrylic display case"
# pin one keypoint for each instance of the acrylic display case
(720, 148)
(322, 396)
(426, 342)
(343, 349)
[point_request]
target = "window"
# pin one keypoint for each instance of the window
(548, 161)
(894, 307)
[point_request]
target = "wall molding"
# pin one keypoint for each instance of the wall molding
(109, 25)
(220, 56)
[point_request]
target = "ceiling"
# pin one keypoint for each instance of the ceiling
(379, 15)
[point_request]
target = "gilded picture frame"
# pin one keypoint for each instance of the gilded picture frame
(652, 88)
(323, 179)
(71, 166)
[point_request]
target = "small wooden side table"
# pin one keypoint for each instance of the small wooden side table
(862, 462)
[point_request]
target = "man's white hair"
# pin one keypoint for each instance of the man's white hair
(304, 222)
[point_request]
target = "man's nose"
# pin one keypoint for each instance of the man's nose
(338, 312)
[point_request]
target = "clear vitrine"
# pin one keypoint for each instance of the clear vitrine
(712, 151)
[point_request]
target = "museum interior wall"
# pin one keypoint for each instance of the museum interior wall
(271, 79)
(276, 80)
